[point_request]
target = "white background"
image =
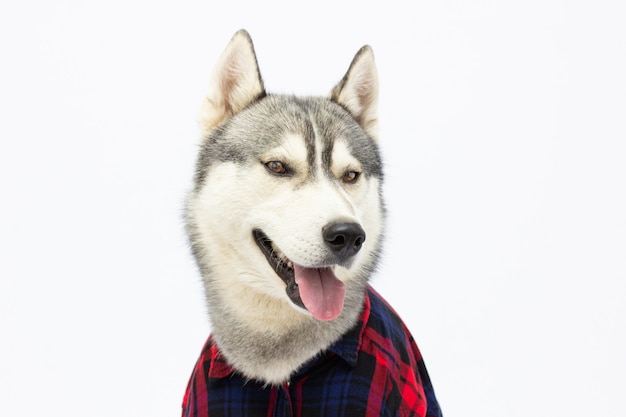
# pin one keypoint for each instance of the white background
(503, 129)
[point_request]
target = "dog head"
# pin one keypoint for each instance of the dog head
(286, 202)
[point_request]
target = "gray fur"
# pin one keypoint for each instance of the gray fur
(275, 115)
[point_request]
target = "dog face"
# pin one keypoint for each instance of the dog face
(287, 201)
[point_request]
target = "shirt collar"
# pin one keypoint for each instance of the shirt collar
(348, 347)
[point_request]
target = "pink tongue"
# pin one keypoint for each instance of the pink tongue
(321, 292)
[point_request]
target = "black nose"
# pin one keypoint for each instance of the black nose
(344, 239)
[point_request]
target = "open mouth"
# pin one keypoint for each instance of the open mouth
(315, 289)
(281, 265)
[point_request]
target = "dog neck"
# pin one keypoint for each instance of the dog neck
(288, 338)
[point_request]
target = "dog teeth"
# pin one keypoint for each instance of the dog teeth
(280, 257)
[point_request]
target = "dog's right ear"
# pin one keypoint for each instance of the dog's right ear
(235, 83)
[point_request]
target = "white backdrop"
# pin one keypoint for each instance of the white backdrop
(503, 129)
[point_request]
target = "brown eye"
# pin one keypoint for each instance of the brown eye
(351, 176)
(276, 167)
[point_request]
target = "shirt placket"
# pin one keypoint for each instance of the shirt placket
(283, 401)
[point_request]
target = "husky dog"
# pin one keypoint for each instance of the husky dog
(285, 220)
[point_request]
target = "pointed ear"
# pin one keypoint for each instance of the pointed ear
(235, 83)
(358, 91)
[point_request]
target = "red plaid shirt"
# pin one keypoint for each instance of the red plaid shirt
(374, 370)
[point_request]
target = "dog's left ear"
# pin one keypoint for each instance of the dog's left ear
(358, 91)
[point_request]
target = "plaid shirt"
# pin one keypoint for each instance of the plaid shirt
(374, 370)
